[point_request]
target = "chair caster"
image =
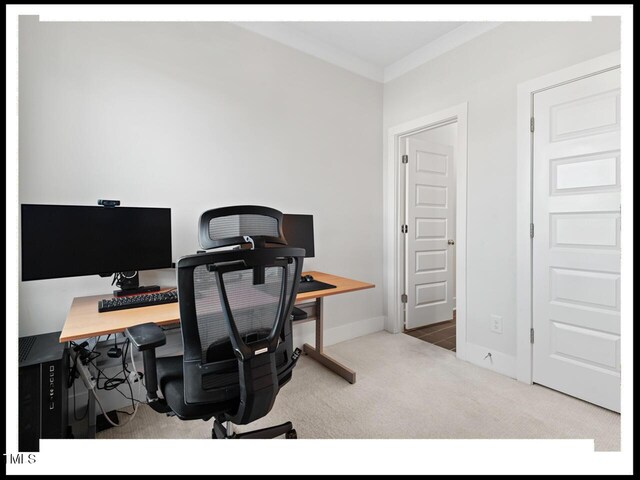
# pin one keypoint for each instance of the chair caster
(291, 434)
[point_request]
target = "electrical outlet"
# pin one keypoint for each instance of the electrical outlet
(496, 323)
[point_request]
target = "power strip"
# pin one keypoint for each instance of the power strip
(86, 376)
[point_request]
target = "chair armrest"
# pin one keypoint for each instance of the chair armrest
(146, 336)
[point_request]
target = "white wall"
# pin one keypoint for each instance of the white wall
(194, 116)
(485, 73)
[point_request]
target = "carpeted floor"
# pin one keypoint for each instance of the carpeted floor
(407, 388)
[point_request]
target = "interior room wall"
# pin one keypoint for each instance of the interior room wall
(194, 116)
(485, 73)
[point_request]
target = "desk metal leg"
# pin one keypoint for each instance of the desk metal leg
(91, 431)
(318, 354)
(85, 427)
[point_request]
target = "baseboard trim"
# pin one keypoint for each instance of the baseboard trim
(498, 362)
(306, 332)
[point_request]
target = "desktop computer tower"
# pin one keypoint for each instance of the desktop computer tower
(43, 375)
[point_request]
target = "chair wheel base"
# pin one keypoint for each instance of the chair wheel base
(219, 432)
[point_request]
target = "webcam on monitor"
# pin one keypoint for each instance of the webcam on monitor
(109, 203)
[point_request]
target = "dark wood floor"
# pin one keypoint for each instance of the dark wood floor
(442, 334)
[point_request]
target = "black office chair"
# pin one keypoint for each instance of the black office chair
(235, 314)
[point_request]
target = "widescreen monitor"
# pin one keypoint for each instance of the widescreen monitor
(67, 240)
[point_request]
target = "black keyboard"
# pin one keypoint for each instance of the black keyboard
(133, 301)
(313, 285)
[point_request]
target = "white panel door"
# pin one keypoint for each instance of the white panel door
(430, 218)
(576, 244)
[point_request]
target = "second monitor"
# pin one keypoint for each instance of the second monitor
(298, 231)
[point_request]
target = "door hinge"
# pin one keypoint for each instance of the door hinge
(405, 158)
(532, 125)
(404, 229)
(403, 298)
(531, 230)
(531, 335)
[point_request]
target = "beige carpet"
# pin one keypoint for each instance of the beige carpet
(407, 388)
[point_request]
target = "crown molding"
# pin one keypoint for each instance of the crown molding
(317, 48)
(336, 56)
(439, 46)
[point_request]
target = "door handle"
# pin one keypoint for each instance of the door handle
(451, 242)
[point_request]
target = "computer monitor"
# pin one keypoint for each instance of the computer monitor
(67, 240)
(298, 231)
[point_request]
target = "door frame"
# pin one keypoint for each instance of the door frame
(524, 189)
(393, 191)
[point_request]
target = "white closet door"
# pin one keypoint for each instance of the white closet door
(576, 244)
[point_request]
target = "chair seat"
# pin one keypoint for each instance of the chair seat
(172, 387)
(170, 381)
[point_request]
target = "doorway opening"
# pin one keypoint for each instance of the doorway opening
(430, 210)
(425, 228)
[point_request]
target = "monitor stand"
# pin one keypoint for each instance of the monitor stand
(129, 284)
(134, 291)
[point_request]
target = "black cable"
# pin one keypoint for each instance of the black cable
(112, 383)
(94, 347)
(72, 370)
(72, 382)
(126, 370)
(125, 352)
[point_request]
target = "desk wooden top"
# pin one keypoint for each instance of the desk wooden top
(84, 320)
(343, 285)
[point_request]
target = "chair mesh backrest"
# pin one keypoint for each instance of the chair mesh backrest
(254, 307)
(240, 225)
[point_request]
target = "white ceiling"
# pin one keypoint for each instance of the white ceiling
(380, 51)
(381, 43)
